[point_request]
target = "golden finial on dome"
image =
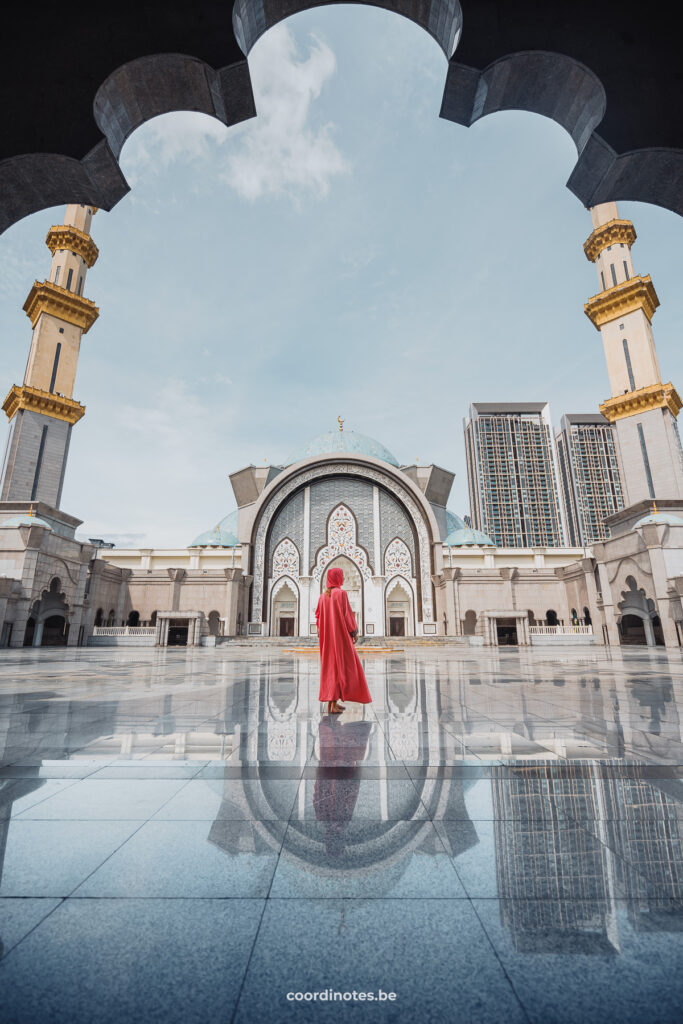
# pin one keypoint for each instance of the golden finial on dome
(340, 421)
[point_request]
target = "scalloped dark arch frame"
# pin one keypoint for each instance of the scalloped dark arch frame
(604, 72)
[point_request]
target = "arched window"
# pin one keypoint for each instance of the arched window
(98, 617)
(470, 623)
(133, 618)
(110, 617)
(215, 623)
(587, 617)
(575, 617)
(153, 618)
(551, 617)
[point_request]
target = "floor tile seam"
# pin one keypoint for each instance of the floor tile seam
(61, 899)
(527, 1015)
(108, 857)
(253, 947)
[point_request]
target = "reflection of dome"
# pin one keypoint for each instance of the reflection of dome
(223, 535)
(342, 441)
(26, 520)
(466, 537)
(659, 519)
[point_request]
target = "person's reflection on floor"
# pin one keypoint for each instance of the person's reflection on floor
(342, 746)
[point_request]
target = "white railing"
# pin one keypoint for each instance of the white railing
(124, 631)
(561, 630)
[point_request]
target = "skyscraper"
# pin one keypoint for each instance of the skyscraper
(513, 474)
(590, 473)
(642, 408)
(42, 411)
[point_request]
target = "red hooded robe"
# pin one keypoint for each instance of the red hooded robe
(341, 673)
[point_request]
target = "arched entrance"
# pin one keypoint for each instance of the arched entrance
(284, 616)
(399, 608)
(353, 585)
(55, 631)
(632, 628)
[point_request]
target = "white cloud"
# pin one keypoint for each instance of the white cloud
(279, 152)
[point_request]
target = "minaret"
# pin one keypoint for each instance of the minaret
(642, 409)
(42, 411)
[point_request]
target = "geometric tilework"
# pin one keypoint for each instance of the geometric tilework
(357, 496)
(394, 522)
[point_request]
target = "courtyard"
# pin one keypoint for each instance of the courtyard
(184, 837)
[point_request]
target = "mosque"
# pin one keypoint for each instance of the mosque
(413, 568)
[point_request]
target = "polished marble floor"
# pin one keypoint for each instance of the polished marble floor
(184, 837)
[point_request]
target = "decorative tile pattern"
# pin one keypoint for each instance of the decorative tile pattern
(285, 559)
(288, 522)
(341, 540)
(357, 496)
(394, 523)
(397, 560)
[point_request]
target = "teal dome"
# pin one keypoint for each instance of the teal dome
(453, 522)
(342, 441)
(466, 537)
(26, 520)
(223, 535)
(659, 519)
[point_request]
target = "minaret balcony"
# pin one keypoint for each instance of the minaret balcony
(636, 293)
(46, 297)
(655, 396)
(611, 233)
(66, 236)
(46, 402)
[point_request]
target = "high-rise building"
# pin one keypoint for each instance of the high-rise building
(43, 410)
(642, 408)
(513, 474)
(591, 476)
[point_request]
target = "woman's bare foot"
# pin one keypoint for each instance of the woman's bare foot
(335, 708)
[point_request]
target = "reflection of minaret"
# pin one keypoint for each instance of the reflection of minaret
(42, 411)
(642, 408)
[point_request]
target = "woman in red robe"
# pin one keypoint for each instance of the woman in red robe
(341, 673)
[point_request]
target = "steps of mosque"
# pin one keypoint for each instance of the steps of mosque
(366, 643)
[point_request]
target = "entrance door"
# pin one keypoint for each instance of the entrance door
(507, 632)
(177, 633)
(55, 631)
(286, 625)
(397, 625)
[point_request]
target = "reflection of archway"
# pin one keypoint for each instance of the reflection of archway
(353, 585)
(398, 608)
(284, 605)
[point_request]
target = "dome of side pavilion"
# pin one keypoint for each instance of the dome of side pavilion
(223, 534)
(348, 441)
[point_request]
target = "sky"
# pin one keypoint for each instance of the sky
(345, 253)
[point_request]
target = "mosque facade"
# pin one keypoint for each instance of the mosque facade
(413, 568)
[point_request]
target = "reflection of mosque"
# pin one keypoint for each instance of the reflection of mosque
(575, 836)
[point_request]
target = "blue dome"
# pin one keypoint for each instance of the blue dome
(659, 518)
(26, 520)
(223, 535)
(342, 441)
(465, 537)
